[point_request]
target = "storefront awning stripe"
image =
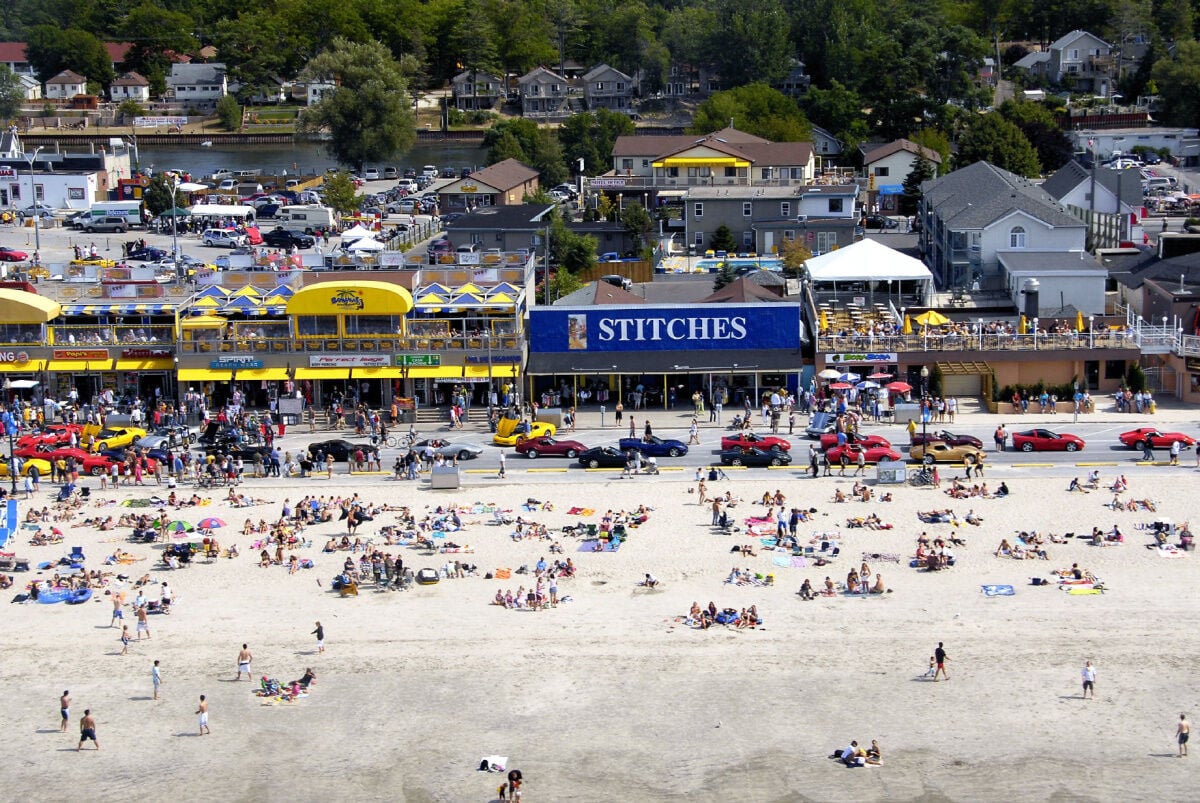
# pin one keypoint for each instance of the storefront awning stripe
(378, 373)
(22, 367)
(87, 366)
(203, 375)
(271, 374)
(323, 373)
(151, 364)
(442, 372)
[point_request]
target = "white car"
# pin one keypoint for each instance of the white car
(371, 174)
(222, 238)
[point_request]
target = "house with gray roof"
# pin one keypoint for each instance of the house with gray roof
(1116, 211)
(606, 87)
(201, 84)
(970, 216)
(476, 90)
(1079, 59)
(762, 217)
(545, 95)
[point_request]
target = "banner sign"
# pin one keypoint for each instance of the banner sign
(665, 328)
(349, 361)
(864, 357)
(81, 354)
(155, 122)
(423, 360)
(235, 363)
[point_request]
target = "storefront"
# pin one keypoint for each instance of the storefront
(658, 356)
(23, 334)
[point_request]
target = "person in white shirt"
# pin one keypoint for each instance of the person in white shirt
(1089, 680)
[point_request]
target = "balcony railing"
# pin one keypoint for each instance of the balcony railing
(110, 335)
(348, 345)
(664, 182)
(985, 342)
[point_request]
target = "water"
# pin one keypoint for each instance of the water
(307, 158)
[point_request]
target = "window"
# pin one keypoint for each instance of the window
(15, 191)
(699, 238)
(797, 173)
(39, 192)
(645, 163)
(698, 209)
(730, 172)
(826, 241)
(785, 209)
(766, 174)
(620, 86)
(1016, 237)
(1114, 369)
(789, 234)
(1074, 53)
(747, 209)
(599, 86)
(881, 171)
(627, 164)
(673, 172)
(835, 204)
(748, 239)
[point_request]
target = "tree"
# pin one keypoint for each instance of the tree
(368, 115)
(722, 240)
(229, 113)
(638, 223)
(12, 94)
(130, 109)
(725, 276)
(152, 31)
(340, 192)
(51, 50)
(524, 141)
(1178, 79)
(991, 138)
(757, 109)
(158, 197)
(794, 254)
(751, 41)
(922, 171)
(590, 136)
(934, 140)
(840, 111)
(1038, 124)
(563, 283)
(570, 250)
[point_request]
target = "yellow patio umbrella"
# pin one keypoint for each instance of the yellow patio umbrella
(1022, 327)
(1079, 321)
(907, 325)
(824, 321)
(932, 318)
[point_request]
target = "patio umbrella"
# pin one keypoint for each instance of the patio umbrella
(210, 523)
(1022, 327)
(899, 387)
(932, 318)
(840, 386)
(1079, 321)
(824, 321)
(830, 373)
(849, 377)
(179, 527)
(907, 325)
(879, 375)
(867, 385)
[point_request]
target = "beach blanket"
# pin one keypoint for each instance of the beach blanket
(1170, 552)
(891, 557)
(784, 562)
(582, 511)
(799, 563)
(590, 546)
(494, 763)
(767, 541)
(998, 591)
(503, 574)
(1076, 591)
(448, 550)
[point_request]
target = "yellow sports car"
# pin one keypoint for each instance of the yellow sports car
(31, 466)
(116, 437)
(507, 433)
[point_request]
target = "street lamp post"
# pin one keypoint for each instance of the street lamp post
(487, 339)
(10, 424)
(925, 407)
(37, 230)
(175, 226)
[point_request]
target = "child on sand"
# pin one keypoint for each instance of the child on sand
(932, 670)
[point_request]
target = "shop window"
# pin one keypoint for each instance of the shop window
(317, 325)
(1114, 369)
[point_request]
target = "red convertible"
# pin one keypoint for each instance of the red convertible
(545, 445)
(829, 440)
(94, 464)
(848, 454)
(51, 435)
(1136, 438)
(748, 440)
(1043, 440)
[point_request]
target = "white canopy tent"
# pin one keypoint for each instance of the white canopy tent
(870, 266)
(358, 232)
(365, 244)
(222, 210)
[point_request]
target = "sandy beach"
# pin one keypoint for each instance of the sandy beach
(611, 696)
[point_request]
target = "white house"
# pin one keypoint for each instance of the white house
(65, 86)
(1118, 207)
(131, 86)
(197, 83)
(58, 189)
(888, 165)
(30, 86)
(315, 90)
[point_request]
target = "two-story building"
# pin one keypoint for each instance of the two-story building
(970, 217)
(761, 217)
(1115, 209)
(66, 85)
(522, 227)
(505, 183)
(1079, 59)
(202, 84)
(887, 165)
(476, 90)
(545, 95)
(606, 87)
(130, 86)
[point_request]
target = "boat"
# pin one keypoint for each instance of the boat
(79, 595)
(53, 596)
(427, 577)
(206, 143)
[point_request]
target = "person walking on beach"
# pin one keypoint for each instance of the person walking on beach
(502, 473)
(118, 615)
(244, 658)
(1089, 680)
(939, 655)
(124, 639)
(87, 730)
(1182, 733)
(203, 712)
(632, 426)
(64, 710)
(320, 634)
(143, 626)
(156, 678)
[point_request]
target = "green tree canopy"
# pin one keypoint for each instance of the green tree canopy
(368, 115)
(524, 141)
(340, 192)
(991, 138)
(757, 109)
(722, 240)
(11, 93)
(1038, 124)
(51, 50)
(840, 111)
(590, 136)
(1178, 79)
(922, 171)
(750, 42)
(158, 198)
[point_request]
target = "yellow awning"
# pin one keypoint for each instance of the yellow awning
(482, 370)
(79, 365)
(19, 306)
(378, 373)
(152, 364)
(202, 322)
(203, 375)
(322, 373)
(351, 298)
(262, 373)
(441, 372)
(702, 161)
(17, 367)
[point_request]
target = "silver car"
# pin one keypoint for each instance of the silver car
(450, 449)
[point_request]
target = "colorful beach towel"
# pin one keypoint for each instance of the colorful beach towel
(799, 562)
(998, 591)
(782, 561)
(503, 574)
(590, 546)
(1170, 552)
(1075, 591)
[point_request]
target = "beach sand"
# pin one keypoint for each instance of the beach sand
(609, 696)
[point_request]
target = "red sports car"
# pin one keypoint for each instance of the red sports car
(12, 255)
(51, 436)
(849, 453)
(748, 440)
(1043, 440)
(829, 440)
(546, 446)
(1136, 438)
(94, 464)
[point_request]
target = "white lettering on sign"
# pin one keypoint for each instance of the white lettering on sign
(654, 329)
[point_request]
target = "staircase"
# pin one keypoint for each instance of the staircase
(441, 416)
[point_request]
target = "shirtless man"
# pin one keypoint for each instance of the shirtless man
(1182, 733)
(87, 730)
(244, 659)
(203, 712)
(118, 615)
(64, 709)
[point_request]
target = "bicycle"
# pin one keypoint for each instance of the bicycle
(921, 478)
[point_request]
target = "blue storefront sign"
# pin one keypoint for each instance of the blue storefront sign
(235, 363)
(718, 327)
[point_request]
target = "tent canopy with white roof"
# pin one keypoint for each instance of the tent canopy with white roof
(869, 261)
(356, 233)
(365, 244)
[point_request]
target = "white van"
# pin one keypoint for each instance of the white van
(1154, 183)
(308, 218)
(429, 170)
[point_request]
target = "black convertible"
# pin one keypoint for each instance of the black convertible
(340, 449)
(754, 457)
(603, 457)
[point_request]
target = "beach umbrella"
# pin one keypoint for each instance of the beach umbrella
(1022, 327)
(907, 325)
(211, 523)
(899, 387)
(179, 527)
(879, 375)
(1079, 321)
(824, 321)
(849, 377)
(840, 386)
(830, 373)
(867, 385)
(932, 318)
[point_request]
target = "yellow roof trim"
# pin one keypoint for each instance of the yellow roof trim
(702, 161)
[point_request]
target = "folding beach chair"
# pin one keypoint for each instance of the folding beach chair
(76, 555)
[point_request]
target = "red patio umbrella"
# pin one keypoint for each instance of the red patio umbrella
(899, 387)
(879, 375)
(840, 386)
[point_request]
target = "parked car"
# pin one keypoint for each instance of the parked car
(148, 254)
(166, 438)
(222, 238)
(537, 429)
(450, 449)
(52, 435)
(449, 172)
(391, 172)
(1043, 440)
(410, 172)
(749, 440)
(879, 222)
(39, 209)
(655, 446)
(340, 448)
(942, 452)
(1137, 438)
(755, 457)
(602, 457)
(111, 225)
(113, 437)
(30, 467)
(371, 174)
(830, 440)
(947, 437)
(12, 255)
(549, 447)
(820, 424)
(286, 238)
(848, 453)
